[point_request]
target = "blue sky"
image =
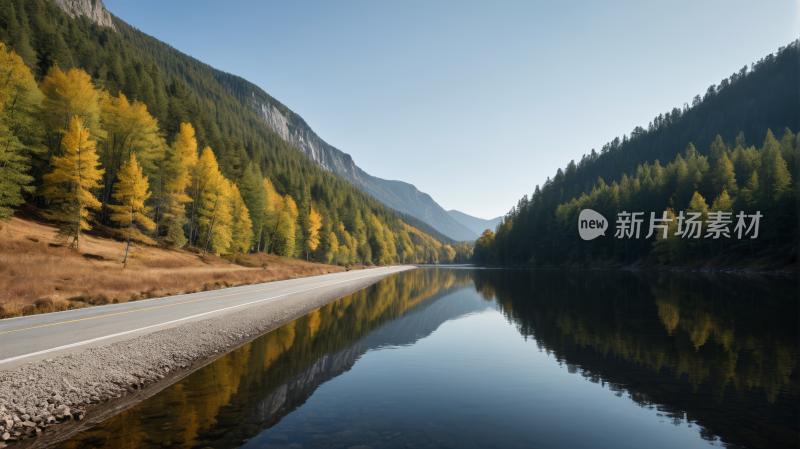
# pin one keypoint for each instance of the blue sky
(472, 102)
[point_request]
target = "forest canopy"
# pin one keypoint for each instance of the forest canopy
(732, 150)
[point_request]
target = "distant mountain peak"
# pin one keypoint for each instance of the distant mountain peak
(475, 224)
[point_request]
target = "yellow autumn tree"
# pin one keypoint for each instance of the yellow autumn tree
(314, 223)
(347, 253)
(129, 129)
(241, 225)
(331, 248)
(201, 174)
(19, 100)
(68, 95)
(131, 192)
(284, 235)
(179, 158)
(272, 210)
(74, 175)
(214, 212)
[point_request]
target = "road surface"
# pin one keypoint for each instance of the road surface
(40, 337)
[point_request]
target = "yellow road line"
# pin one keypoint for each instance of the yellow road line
(141, 310)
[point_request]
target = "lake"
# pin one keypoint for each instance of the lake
(472, 358)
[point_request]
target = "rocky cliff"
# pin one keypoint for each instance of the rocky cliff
(93, 9)
(398, 195)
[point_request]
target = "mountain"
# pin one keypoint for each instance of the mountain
(279, 119)
(398, 195)
(477, 225)
(70, 47)
(94, 10)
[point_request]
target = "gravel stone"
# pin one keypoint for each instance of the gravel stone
(68, 383)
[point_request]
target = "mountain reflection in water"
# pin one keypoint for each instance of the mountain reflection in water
(714, 358)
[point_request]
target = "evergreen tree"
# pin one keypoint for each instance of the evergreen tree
(722, 203)
(255, 198)
(285, 234)
(179, 159)
(74, 176)
(314, 223)
(68, 95)
(241, 225)
(19, 96)
(273, 208)
(129, 129)
(131, 192)
(722, 172)
(331, 246)
(214, 212)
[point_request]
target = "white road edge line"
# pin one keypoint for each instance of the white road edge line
(284, 283)
(85, 342)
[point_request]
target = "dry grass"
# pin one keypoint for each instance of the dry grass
(37, 275)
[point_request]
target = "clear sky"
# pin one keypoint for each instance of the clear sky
(472, 102)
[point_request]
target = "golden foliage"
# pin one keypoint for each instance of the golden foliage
(314, 223)
(68, 95)
(75, 174)
(131, 192)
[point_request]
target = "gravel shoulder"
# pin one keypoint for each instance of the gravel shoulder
(45, 402)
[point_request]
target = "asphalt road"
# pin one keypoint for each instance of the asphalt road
(33, 338)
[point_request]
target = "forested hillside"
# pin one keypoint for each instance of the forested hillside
(98, 130)
(732, 150)
(244, 109)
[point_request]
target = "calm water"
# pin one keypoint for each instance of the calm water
(499, 358)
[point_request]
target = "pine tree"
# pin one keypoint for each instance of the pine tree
(129, 129)
(751, 193)
(788, 144)
(697, 204)
(377, 244)
(241, 225)
(255, 198)
(722, 173)
(670, 248)
(314, 223)
(331, 246)
(202, 173)
(722, 203)
(778, 180)
(273, 207)
(68, 95)
(75, 174)
(179, 159)
(19, 96)
(286, 232)
(131, 192)
(214, 212)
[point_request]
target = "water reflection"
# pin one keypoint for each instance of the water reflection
(717, 352)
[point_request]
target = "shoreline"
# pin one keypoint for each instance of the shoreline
(789, 272)
(51, 400)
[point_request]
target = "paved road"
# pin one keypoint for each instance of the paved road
(37, 337)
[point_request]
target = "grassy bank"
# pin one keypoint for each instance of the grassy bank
(39, 275)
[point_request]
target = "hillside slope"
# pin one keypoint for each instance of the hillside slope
(477, 225)
(398, 195)
(277, 117)
(194, 123)
(733, 151)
